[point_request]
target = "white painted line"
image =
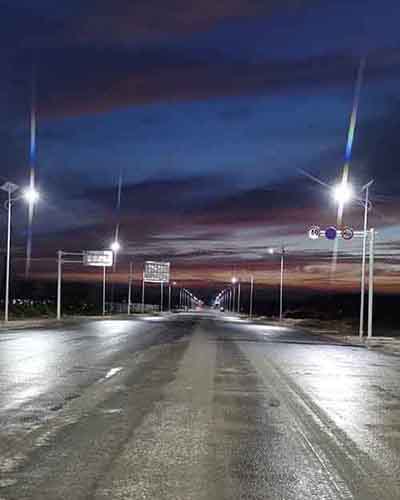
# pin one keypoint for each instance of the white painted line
(112, 372)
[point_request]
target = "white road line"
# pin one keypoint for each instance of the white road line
(112, 372)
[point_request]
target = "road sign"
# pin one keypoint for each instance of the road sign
(314, 232)
(347, 233)
(156, 272)
(331, 233)
(99, 258)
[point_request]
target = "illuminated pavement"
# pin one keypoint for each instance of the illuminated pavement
(195, 407)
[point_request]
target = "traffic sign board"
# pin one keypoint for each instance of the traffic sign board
(347, 233)
(99, 258)
(314, 232)
(331, 233)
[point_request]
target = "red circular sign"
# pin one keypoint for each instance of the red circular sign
(347, 233)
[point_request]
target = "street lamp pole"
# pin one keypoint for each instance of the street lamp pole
(371, 280)
(31, 196)
(130, 287)
(364, 248)
(8, 257)
(281, 285)
(251, 296)
(169, 297)
(238, 305)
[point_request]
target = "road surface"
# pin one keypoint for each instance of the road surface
(195, 406)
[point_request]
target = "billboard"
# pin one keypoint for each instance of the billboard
(156, 272)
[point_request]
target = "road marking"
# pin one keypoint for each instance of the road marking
(112, 372)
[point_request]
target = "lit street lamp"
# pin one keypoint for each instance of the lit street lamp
(115, 246)
(343, 193)
(234, 280)
(31, 196)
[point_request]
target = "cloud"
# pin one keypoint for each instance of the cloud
(92, 85)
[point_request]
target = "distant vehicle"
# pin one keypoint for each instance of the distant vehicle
(222, 309)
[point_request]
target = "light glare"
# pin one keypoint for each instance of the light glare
(342, 193)
(31, 196)
(115, 246)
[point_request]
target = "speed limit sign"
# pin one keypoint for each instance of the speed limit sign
(314, 232)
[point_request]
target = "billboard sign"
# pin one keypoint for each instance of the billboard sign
(156, 272)
(99, 258)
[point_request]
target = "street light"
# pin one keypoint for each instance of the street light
(342, 193)
(115, 246)
(31, 196)
(233, 281)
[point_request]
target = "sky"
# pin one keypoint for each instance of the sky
(210, 111)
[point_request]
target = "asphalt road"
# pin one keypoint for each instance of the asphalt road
(195, 406)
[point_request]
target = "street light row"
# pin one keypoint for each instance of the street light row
(342, 193)
(232, 301)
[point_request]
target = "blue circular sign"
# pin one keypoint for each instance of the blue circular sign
(331, 233)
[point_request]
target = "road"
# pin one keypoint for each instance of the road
(195, 406)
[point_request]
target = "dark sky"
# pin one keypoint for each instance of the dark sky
(210, 110)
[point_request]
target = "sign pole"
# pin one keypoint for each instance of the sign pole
(364, 246)
(371, 281)
(169, 298)
(161, 296)
(59, 271)
(130, 287)
(104, 290)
